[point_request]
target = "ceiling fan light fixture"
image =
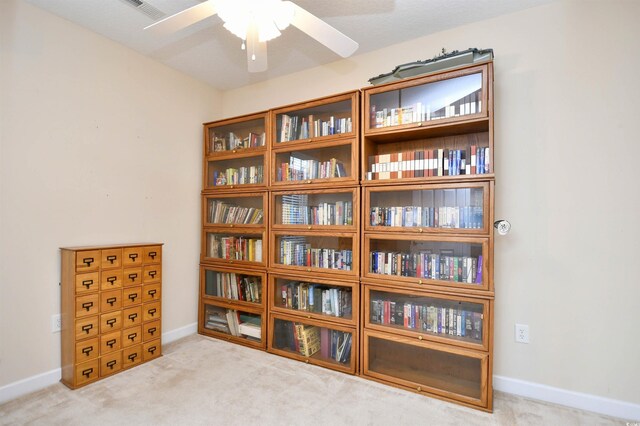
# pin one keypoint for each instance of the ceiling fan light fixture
(269, 17)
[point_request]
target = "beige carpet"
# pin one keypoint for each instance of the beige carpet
(203, 381)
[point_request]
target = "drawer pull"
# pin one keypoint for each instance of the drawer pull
(111, 342)
(133, 256)
(133, 277)
(153, 254)
(112, 280)
(152, 330)
(112, 258)
(112, 300)
(87, 350)
(111, 321)
(151, 350)
(88, 260)
(87, 327)
(152, 274)
(87, 372)
(87, 305)
(132, 357)
(132, 336)
(87, 283)
(133, 317)
(152, 293)
(111, 363)
(152, 311)
(133, 296)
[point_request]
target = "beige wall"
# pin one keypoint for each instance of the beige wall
(99, 144)
(566, 92)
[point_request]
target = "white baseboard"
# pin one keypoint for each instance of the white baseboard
(583, 401)
(40, 381)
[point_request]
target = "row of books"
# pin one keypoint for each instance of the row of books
(456, 217)
(338, 213)
(296, 127)
(318, 298)
(309, 340)
(237, 176)
(232, 322)
(300, 169)
(420, 112)
(434, 266)
(473, 160)
(232, 141)
(235, 286)
(437, 319)
(236, 248)
(221, 212)
(297, 252)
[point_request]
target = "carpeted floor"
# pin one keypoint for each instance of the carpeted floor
(202, 381)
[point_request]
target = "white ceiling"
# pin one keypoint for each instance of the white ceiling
(210, 53)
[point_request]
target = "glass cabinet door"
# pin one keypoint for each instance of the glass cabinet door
(233, 247)
(234, 172)
(316, 209)
(232, 285)
(231, 136)
(237, 324)
(234, 210)
(315, 165)
(447, 319)
(422, 208)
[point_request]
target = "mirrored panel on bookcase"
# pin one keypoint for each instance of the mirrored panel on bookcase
(334, 253)
(232, 285)
(235, 136)
(428, 261)
(428, 100)
(446, 208)
(315, 165)
(328, 345)
(235, 172)
(234, 247)
(458, 321)
(315, 298)
(320, 208)
(454, 373)
(235, 323)
(316, 120)
(235, 209)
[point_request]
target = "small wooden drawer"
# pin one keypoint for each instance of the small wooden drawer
(131, 336)
(87, 372)
(87, 327)
(131, 296)
(151, 350)
(111, 258)
(150, 311)
(111, 279)
(110, 342)
(110, 300)
(86, 283)
(110, 363)
(87, 305)
(132, 316)
(150, 330)
(132, 276)
(110, 322)
(151, 273)
(131, 356)
(132, 256)
(151, 292)
(152, 254)
(87, 349)
(88, 260)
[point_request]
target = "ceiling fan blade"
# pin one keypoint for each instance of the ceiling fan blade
(256, 51)
(183, 19)
(323, 32)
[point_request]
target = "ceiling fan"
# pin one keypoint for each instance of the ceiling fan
(256, 22)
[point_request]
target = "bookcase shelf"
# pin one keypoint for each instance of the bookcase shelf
(427, 244)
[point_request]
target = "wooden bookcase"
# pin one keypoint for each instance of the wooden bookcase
(234, 218)
(427, 242)
(377, 232)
